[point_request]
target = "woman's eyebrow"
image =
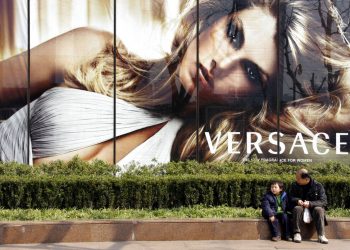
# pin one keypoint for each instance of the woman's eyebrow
(234, 6)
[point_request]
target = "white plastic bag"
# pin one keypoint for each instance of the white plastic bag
(307, 215)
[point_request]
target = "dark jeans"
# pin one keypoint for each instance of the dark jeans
(317, 214)
(275, 225)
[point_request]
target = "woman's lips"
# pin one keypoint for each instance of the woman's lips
(205, 79)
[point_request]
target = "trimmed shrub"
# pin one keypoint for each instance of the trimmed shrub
(151, 192)
(99, 168)
(80, 184)
(76, 166)
(251, 167)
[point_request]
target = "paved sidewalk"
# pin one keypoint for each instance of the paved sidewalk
(188, 245)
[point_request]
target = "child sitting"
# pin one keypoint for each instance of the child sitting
(274, 209)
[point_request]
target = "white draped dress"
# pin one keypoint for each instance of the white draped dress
(63, 120)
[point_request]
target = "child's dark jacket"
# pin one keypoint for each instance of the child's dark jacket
(269, 204)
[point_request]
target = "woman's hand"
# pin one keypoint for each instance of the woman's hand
(48, 62)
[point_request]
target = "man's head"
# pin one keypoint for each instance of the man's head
(302, 177)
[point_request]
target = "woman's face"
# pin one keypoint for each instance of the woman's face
(237, 56)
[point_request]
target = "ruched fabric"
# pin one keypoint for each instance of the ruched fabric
(64, 120)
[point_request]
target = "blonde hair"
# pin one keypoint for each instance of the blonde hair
(154, 85)
(311, 114)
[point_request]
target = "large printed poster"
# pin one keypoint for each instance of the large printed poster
(171, 80)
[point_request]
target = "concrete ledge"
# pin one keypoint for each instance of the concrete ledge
(152, 230)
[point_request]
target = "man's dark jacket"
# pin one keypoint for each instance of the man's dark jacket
(269, 204)
(315, 194)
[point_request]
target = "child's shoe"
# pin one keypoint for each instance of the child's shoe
(322, 239)
(276, 238)
(289, 238)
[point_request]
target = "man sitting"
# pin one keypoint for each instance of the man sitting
(308, 193)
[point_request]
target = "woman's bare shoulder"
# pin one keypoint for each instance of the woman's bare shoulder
(80, 42)
(48, 61)
(89, 33)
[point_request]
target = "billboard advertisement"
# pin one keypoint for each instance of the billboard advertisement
(159, 81)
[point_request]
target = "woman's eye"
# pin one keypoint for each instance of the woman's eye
(252, 72)
(235, 33)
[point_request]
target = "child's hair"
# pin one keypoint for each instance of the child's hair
(279, 183)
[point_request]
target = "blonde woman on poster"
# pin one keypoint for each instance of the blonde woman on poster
(240, 50)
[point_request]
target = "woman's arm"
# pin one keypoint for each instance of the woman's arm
(48, 61)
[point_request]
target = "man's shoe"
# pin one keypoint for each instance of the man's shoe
(297, 238)
(322, 239)
(276, 238)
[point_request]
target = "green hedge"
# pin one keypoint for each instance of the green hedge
(99, 168)
(79, 184)
(251, 167)
(151, 192)
(57, 168)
